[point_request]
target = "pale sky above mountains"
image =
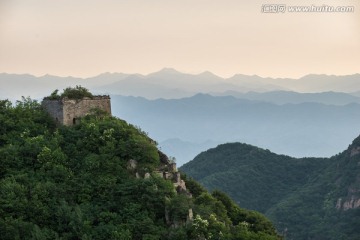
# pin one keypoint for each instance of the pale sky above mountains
(86, 37)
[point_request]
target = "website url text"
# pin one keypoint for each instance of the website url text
(283, 8)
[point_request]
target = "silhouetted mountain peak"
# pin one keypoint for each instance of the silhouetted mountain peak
(53, 77)
(327, 76)
(208, 74)
(166, 71)
(111, 74)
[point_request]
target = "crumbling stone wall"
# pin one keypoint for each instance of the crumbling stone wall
(68, 111)
(55, 109)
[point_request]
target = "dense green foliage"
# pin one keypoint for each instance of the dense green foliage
(251, 175)
(77, 92)
(74, 183)
(299, 195)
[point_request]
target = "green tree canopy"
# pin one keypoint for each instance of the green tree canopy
(77, 92)
(73, 182)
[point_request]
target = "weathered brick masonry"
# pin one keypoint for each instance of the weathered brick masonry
(68, 111)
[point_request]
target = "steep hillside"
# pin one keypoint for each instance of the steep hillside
(308, 198)
(328, 205)
(103, 179)
(255, 178)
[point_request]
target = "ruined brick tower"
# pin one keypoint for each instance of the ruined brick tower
(69, 111)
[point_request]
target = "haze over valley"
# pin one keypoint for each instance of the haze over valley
(317, 115)
(168, 83)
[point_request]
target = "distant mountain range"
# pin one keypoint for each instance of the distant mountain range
(306, 198)
(169, 83)
(283, 97)
(304, 129)
(266, 112)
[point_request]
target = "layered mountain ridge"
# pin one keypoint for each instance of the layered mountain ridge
(296, 129)
(169, 83)
(306, 198)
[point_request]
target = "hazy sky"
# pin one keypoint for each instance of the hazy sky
(88, 37)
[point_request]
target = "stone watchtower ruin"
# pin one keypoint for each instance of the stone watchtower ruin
(68, 111)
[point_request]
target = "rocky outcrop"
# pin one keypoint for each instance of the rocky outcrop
(168, 171)
(355, 151)
(346, 204)
(132, 164)
(352, 200)
(352, 203)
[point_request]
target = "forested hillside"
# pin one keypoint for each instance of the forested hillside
(307, 198)
(59, 182)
